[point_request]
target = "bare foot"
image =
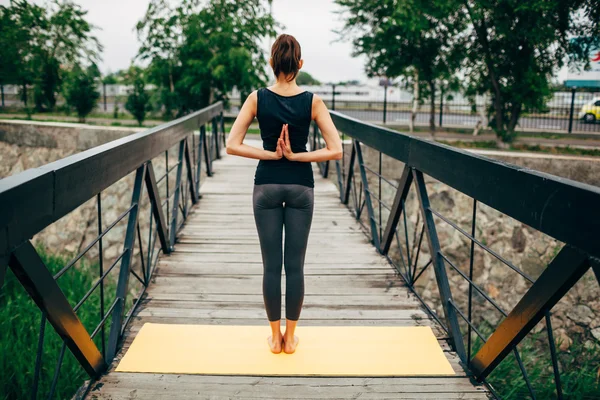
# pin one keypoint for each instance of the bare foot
(275, 346)
(289, 346)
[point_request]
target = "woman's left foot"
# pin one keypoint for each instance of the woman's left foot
(289, 346)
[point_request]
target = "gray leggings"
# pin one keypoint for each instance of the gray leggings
(277, 206)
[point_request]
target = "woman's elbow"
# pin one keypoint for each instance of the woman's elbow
(230, 148)
(338, 154)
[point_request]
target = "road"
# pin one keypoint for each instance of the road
(541, 124)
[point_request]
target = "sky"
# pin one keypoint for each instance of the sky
(311, 21)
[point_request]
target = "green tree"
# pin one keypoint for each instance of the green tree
(138, 101)
(304, 78)
(43, 40)
(10, 38)
(81, 90)
(199, 52)
(415, 39)
(515, 48)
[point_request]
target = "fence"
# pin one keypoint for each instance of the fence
(393, 106)
(38, 197)
(398, 214)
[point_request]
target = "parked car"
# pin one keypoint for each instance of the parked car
(590, 112)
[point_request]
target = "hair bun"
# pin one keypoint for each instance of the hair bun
(286, 55)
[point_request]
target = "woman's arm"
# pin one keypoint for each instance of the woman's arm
(238, 132)
(333, 144)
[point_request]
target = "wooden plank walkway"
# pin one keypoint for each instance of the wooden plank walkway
(214, 277)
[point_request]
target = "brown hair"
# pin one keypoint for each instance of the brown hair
(286, 54)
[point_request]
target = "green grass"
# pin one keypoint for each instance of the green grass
(20, 325)
(559, 150)
(579, 370)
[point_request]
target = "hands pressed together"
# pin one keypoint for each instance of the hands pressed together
(284, 147)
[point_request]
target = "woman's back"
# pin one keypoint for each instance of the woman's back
(273, 110)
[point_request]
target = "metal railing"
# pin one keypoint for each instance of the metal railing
(560, 208)
(36, 198)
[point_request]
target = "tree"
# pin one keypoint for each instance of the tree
(304, 78)
(43, 40)
(198, 53)
(415, 39)
(138, 101)
(80, 90)
(515, 47)
(10, 38)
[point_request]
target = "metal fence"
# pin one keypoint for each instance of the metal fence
(562, 113)
(560, 208)
(36, 198)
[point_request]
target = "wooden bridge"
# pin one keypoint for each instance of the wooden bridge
(209, 269)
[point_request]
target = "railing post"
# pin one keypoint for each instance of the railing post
(124, 272)
(441, 104)
(215, 132)
(190, 173)
(562, 273)
(37, 280)
(340, 179)
(346, 195)
(157, 210)
(571, 111)
(439, 267)
(403, 189)
(222, 124)
(385, 102)
(199, 160)
(363, 175)
(325, 170)
(333, 97)
(175, 207)
(207, 152)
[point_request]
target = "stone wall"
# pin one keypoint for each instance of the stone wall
(25, 145)
(576, 315)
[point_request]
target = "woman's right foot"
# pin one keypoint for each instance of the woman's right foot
(289, 345)
(276, 346)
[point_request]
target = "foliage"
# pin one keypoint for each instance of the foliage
(508, 49)
(304, 78)
(20, 325)
(81, 90)
(516, 47)
(579, 371)
(138, 101)
(415, 39)
(37, 43)
(198, 53)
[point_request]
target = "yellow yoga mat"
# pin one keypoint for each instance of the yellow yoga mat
(322, 351)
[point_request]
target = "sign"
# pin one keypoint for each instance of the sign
(589, 78)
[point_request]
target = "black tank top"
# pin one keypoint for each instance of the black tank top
(274, 110)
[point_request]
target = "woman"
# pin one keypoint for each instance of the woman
(283, 183)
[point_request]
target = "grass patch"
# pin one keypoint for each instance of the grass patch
(20, 326)
(518, 147)
(252, 130)
(579, 368)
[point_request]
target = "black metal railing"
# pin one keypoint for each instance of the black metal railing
(36, 198)
(559, 208)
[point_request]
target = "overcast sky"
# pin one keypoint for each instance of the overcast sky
(310, 21)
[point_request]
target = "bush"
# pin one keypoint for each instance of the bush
(20, 326)
(81, 93)
(138, 101)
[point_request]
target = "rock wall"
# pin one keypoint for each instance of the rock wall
(25, 145)
(576, 315)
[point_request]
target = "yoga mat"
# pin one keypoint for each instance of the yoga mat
(322, 351)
